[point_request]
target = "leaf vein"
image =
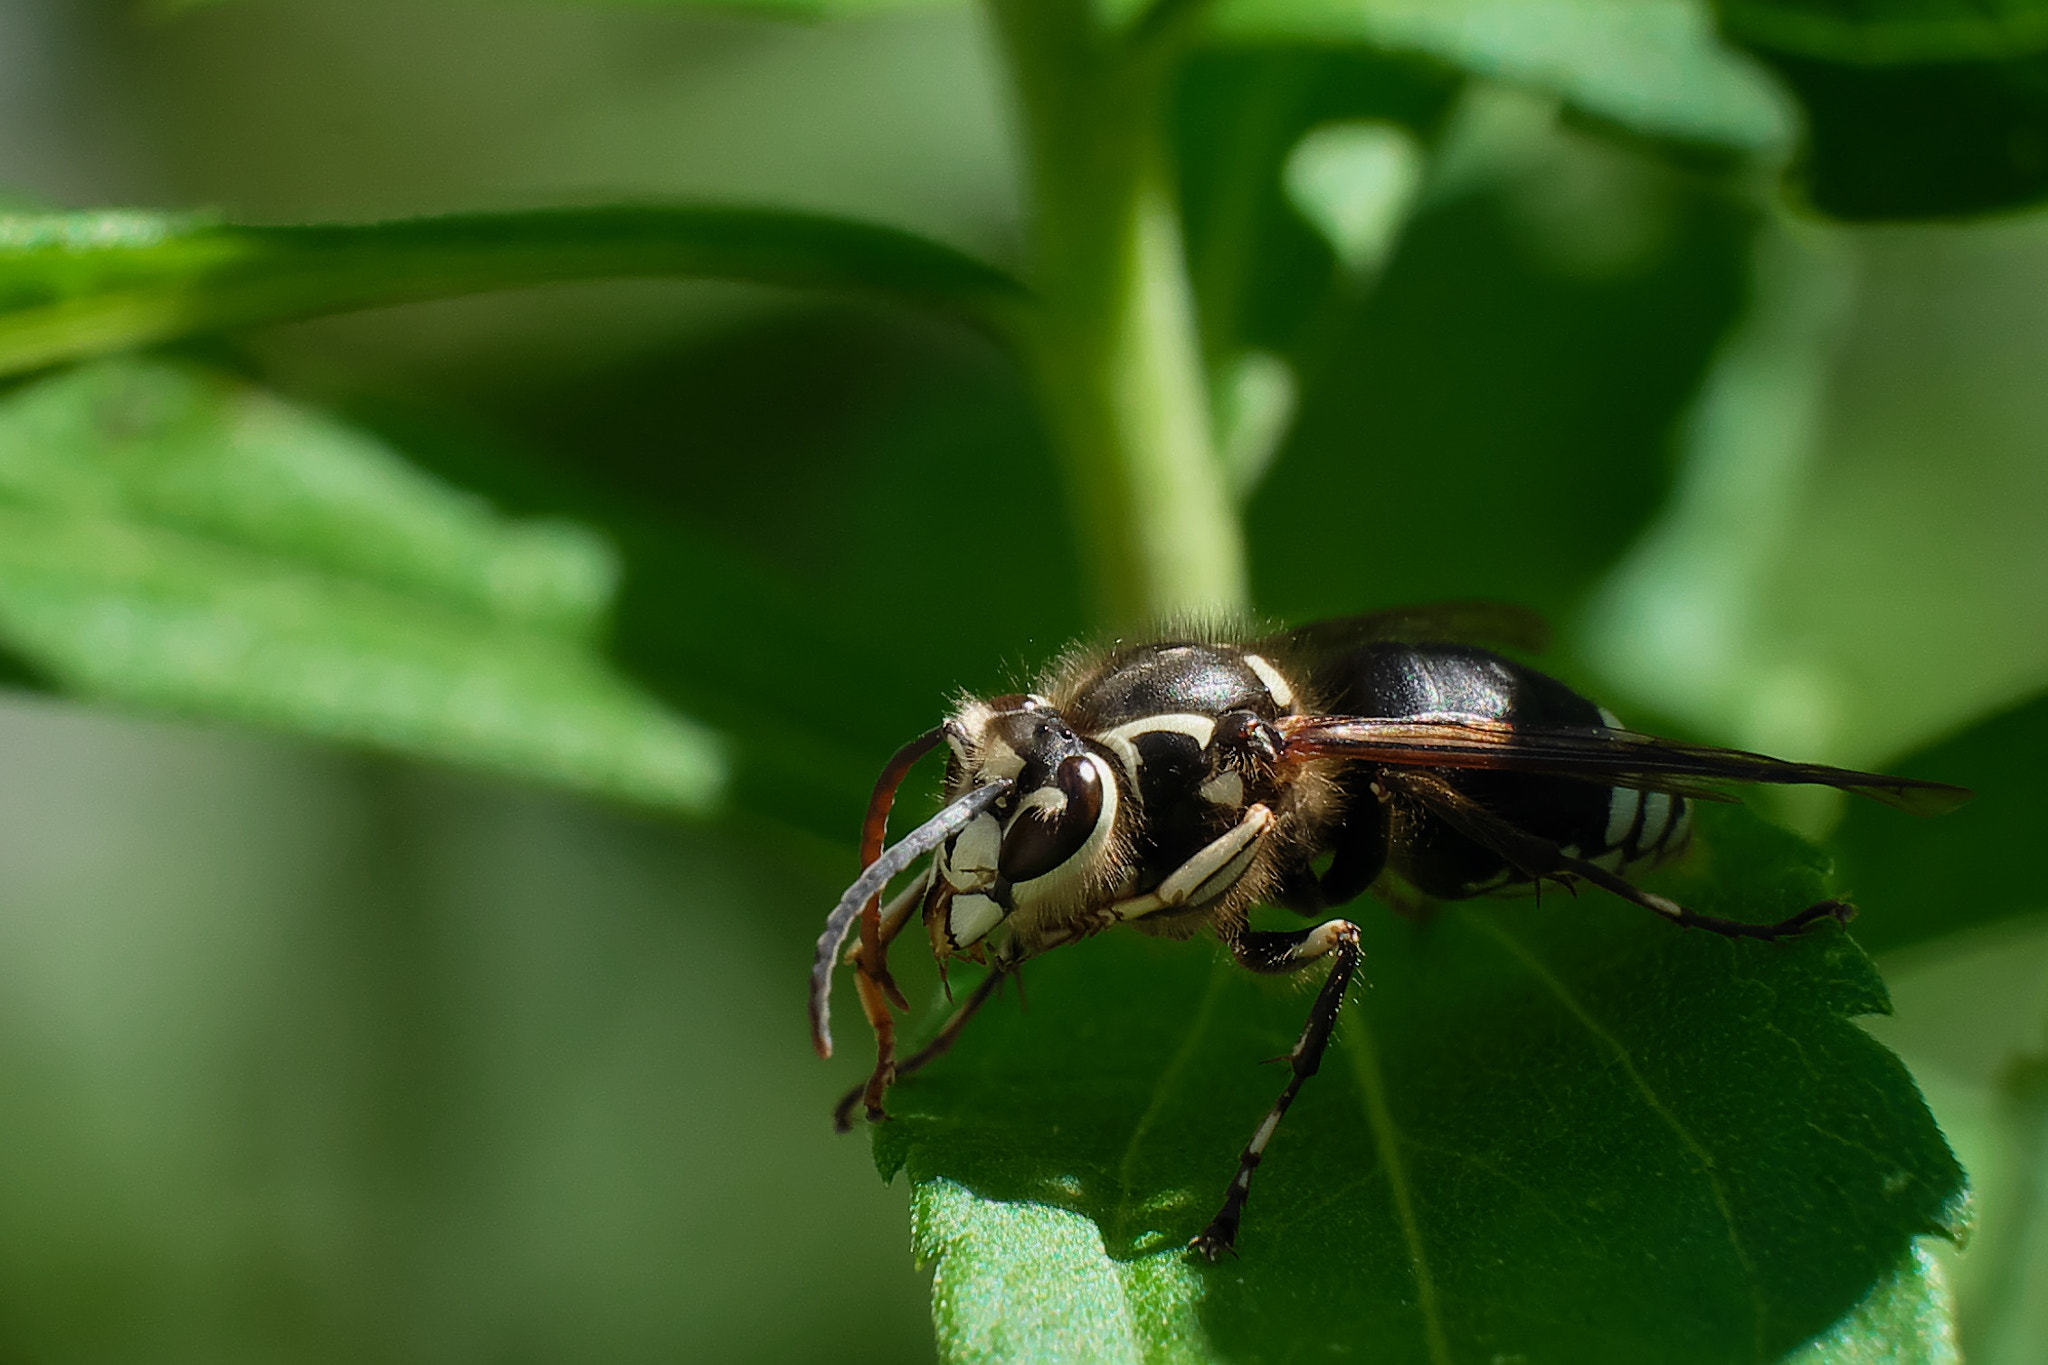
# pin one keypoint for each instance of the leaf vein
(1760, 1308)
(1365, 1061)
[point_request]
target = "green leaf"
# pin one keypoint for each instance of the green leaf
(1560, 1131)
(1266, 277)
(1356, 182)
(1915, 108)
(1917, 880)
(1655, 67)
(1909, 1316)
(765, 539)
(83, 284)
(1551, 394)
(176, 542)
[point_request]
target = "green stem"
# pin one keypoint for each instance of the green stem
(1114, 344)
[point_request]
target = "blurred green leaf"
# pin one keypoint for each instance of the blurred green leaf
(1557, 1131)
(1489, 423)
(2011, 1311)
(1918, 880)
(176, 542)
(1267, 279)
(1881, 32)
(1356, 181)
(1655, 67)
(1915, 108)
(83, 284)
(783, 9)
(787, 572)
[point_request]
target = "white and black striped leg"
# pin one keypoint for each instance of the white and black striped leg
(842, 1113)
(1275, 952)
(1208, 874)
(1534, 856)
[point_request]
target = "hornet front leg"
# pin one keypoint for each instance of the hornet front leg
(1207, 875)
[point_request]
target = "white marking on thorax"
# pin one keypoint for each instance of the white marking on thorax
(1121, 740)
(1224, 789)
(1276, 685)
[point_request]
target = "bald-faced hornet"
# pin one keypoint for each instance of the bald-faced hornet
(1172, 784)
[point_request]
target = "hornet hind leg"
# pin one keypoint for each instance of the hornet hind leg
(1537, 857)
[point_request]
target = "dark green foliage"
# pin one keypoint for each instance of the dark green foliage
(1975, 867)
(1457, 393)
(1915, 108)
(1923, 141)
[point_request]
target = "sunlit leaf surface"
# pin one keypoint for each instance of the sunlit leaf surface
(177, 542)
(1555, 1132)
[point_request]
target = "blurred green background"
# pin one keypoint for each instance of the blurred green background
(311, 1055)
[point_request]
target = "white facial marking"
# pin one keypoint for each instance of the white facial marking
(1276, 686)
(1000, 760)
(1051, 800)
(1066, 880)
(1622, 804)
(969, 919)
(1224, 789)
(971, 865)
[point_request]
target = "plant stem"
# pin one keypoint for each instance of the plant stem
(1114, 346)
